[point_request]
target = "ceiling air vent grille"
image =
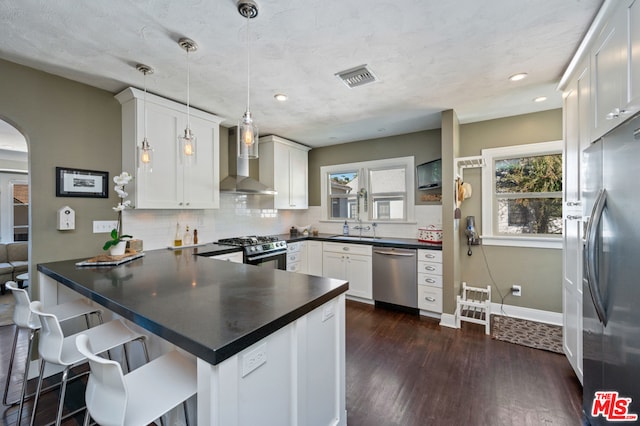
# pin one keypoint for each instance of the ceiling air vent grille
(358, 76)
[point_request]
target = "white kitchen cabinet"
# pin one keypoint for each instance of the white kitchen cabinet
(171, 184)
(235, 257)
(351, 262)
(284, 167)
(314, 258)
(430, 280)
(297, 257)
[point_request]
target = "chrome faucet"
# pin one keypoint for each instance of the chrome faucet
(360, 228)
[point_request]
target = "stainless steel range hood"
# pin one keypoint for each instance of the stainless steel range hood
(238, 181)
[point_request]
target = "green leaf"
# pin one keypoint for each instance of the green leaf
(108, 244)
(114, 234)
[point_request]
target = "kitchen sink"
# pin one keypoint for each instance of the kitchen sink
(353, 238)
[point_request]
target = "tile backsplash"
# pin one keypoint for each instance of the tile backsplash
(245, 215)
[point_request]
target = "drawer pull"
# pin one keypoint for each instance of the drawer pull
(430, 280)
(429, 268)
(430, 299)
(345, 248)
(430, 256)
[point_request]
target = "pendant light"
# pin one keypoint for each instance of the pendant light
(145, 154)
(247, 130)
(187, 142)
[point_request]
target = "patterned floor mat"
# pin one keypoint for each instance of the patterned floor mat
(528, 333)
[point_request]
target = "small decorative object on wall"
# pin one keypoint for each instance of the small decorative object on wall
(81, 183)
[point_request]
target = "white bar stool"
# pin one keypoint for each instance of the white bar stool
(24, 319)
(56, 349)
(140, 397)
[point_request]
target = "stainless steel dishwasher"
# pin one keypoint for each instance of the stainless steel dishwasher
(395, 276)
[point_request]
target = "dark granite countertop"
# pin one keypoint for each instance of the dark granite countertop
(381, 241)
(210, 308)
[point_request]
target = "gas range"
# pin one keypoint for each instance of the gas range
(257, 247)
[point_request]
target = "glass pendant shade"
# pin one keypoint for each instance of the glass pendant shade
(187, 143)
(146, 156)
(145, 152)
(247, 137)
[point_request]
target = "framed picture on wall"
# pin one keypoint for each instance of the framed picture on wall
(81, 183)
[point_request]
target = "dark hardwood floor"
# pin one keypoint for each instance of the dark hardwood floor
(406, 370)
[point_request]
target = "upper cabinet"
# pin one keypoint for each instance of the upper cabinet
(172, 184)
(615, 65)
(284, 167)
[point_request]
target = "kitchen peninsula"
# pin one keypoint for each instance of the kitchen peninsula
(269, 344)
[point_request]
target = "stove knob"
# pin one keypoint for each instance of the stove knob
(252, 249)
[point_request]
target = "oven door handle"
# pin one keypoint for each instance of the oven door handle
(262, 256)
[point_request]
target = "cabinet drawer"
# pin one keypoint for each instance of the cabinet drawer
(430, 255)
(429, 279)
(347, 248)
(294, 247)
(293, 267)
(293, 257)
(430, 298)
(430, 268)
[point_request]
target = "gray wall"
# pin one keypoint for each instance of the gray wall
(66, 124)
(425, 146)
(538, 271)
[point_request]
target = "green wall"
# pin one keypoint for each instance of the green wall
(538, 271)
(425, 146)
(66, 124)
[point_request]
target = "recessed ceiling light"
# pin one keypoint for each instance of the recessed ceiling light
(540, 99)
(280, 97)
(518, 77)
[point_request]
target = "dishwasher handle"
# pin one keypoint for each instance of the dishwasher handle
(394, 253)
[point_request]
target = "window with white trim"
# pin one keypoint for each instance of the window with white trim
(522, 195)
(381, 190)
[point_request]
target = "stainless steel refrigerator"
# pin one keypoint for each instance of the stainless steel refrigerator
(611, 280)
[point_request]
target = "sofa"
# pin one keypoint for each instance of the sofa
(14, 260)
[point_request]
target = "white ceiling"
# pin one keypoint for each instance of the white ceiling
(430, 55)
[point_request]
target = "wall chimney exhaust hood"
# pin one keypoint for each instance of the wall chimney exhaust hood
(238, 181)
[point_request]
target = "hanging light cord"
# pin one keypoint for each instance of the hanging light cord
(248, 63)
(188, 73)
(145, 106)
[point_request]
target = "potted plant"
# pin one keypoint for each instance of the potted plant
(117, 244)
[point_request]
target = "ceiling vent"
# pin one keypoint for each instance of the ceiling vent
(358, 76)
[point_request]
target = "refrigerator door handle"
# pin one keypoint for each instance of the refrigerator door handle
(592, 272)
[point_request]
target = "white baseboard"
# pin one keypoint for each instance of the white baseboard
(448, 320)
(548, 317)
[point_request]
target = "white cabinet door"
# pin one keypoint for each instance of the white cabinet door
(298, 174)
(314, 258)
(359, 274)
(171, 185)
(609, 66)
(333, 266)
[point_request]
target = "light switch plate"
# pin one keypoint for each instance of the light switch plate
(104, 226)
(254, 359)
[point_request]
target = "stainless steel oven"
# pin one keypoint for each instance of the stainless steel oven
(268, 252)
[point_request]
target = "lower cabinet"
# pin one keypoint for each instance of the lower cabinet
(351, 262)
(430, 280)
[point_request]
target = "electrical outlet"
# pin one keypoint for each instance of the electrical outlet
(254, 359)
(516, 290)
(104, 226)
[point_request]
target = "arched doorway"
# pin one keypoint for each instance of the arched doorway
(14, 199)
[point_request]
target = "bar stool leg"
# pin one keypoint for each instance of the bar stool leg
(186, 413)
(37, 395)
(63, 391)
(25, 378)
(11, 359)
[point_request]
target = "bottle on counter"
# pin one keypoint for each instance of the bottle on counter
(187, 239)
(345, 228)
(177, 241)
(195, 236)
